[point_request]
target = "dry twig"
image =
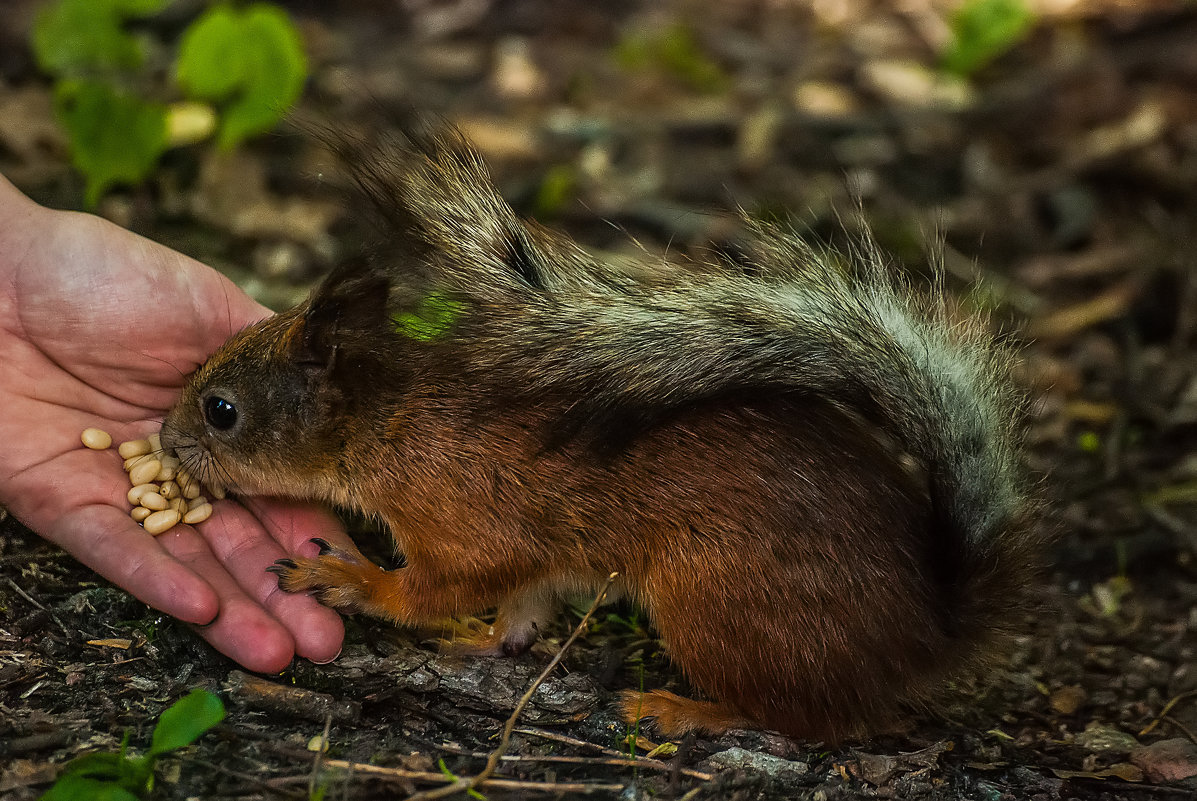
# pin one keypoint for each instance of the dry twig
(1167, 708)
(616, 761)
(401, 775)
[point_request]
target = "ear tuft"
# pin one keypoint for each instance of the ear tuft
(440, 215)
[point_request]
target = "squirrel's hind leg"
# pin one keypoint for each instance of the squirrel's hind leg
(675, 716)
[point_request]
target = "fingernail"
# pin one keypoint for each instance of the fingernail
(333, 658)
(209, 623)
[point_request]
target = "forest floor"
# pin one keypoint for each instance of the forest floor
(1062, 177)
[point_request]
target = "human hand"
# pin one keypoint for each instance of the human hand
(99, 327)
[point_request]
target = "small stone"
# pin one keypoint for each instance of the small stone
(910, 84)
(756, 138)
(516, 74)
(1106, 740)
(824, 99)
(741, 759)
(1167, 760)
(1067, 700)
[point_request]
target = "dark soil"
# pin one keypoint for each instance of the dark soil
(1061, 176)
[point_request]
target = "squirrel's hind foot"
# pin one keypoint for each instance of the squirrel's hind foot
(516, 629)
(675, 716)
(473, 637)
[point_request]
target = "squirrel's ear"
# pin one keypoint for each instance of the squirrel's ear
(351, 300)
(439, 209)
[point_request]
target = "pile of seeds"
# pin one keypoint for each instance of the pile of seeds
(163, 493)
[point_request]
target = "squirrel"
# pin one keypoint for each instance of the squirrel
(806, 473)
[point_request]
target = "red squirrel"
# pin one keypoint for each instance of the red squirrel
(806, 474)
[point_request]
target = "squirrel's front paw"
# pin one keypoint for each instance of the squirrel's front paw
(338, 577)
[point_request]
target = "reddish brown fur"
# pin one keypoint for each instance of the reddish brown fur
(721, 534)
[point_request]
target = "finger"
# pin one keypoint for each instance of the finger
(106, 540)
(246, 549)
(293, 524)
(243, 630)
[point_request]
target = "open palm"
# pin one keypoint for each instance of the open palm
(99, 327)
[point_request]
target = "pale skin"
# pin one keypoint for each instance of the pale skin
(98, 328)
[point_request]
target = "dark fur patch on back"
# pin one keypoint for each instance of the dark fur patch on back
(608, 431)
(522, 261)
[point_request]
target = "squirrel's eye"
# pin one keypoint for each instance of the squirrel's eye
(219, 413)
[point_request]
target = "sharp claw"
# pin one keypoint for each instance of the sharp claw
(281, 566)
(322, 544)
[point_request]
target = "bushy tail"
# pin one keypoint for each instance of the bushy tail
(636, 348)
(798, 320)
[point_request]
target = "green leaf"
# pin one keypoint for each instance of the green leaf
(208, 59)
(100, 765)
(982, 30)
(185, 721)
(433, 318)
(114, 137)
(75, 37)
(81, 788)
(250, 61)
(132, 774)
(138, 8)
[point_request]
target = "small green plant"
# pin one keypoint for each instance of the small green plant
(1089, 442)
(675, 51)
(106, 776)
(982, 30)
(246, 65)
(632, 622)
(558, 185)
(250, 62)
(453, 777)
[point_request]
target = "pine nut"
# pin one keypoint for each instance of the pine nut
(216, 492)
(152, 500)
(145, 472)
(163, 492)
(134, 447)
(133, 461)
(136, 493)
(198, 515)
(96, 439)
(159, 522)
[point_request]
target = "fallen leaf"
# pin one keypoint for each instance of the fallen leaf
(121, 643)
